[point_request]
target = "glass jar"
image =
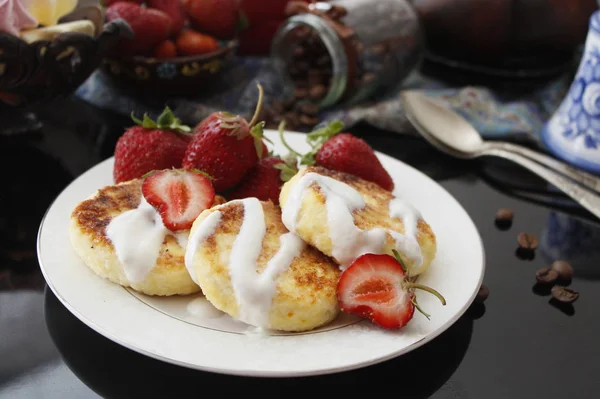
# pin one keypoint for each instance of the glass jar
(344, 51)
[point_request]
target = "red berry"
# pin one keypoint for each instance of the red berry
(375, 287)
(108, 3)
(149, 26)
(179, 196)
(215, 17)
(263, 181)
(226, 153)
(190, 42)
(174, 9)
(151, 146)
(226, 147)
(350, 154)
(165, 49)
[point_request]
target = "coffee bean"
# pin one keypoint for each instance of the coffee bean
(308, 120)
(301, 92)
(368, 78)
(546, 276)
(527, 241)
(564, 270)
(504, 218)
(379, 49)
(317, 92)
(482, 294)
(309, 109)
(564, 294)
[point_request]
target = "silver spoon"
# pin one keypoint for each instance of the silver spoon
(452, 134)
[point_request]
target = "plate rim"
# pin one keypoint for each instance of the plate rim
(271, 373)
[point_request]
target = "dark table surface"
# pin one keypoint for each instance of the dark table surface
(518, 344)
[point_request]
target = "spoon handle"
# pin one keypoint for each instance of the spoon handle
(580, 176)
(586, 198)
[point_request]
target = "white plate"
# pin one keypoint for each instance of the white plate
(185, 331)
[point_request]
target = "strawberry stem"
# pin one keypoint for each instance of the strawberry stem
(259, 105)
(428, 289)
(285, 144)
(414, 302)
(399, 259)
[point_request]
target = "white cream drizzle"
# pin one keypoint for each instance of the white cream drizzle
(201, 233)
(137, 236)
(348, 241)
(254, 292)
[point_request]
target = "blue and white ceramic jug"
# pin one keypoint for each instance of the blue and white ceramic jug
(573, 132)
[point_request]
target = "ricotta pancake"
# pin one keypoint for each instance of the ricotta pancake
(121, 237)
(344, 216)
(252, 268)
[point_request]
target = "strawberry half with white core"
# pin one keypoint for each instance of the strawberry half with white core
(178, 195)
(377, 287)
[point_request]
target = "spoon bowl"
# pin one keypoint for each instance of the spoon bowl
(450, 133)
(445, 125)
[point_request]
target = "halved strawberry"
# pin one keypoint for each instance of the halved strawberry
(178, 195)
(376, 287)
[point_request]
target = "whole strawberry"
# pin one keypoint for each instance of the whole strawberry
(149, 26)
(226, 147)
(150, 146)
(350, 154)
(219, 18)
(174, 9)
(264, 180)
(345, 153)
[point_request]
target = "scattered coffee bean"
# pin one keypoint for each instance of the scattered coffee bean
(527, 241)
(564, 270)
(525, 254)
(483, 293)
(309, 109)
(504, 218)
(564, 294)
(546, 276)
(308, 120)
(301, 93)
(368, 78)
(318, 92)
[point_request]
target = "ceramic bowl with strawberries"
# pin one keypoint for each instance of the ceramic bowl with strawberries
(179, 46)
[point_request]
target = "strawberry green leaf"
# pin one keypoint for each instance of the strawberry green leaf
(288, 168)
(257, 133)
(166, 118)
(136, 120)
(318, 137)
(148, 123)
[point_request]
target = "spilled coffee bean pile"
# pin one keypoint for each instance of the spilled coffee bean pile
(560, 273)
(554, 278)
(311, 71)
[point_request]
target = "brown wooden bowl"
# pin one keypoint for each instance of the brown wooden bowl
(186, 75)
(42, 71)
